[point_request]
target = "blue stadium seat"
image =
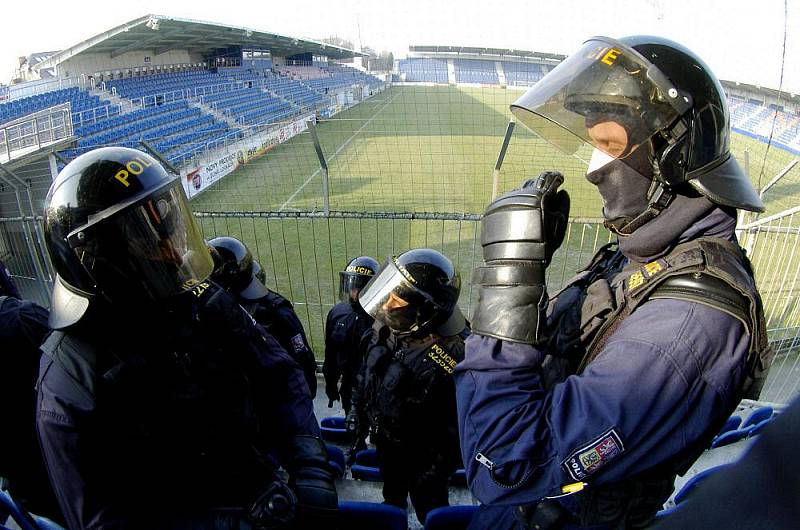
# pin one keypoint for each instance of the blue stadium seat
(694, 481)
(25, 521)
(758, 427)
(371, 516)
(731, 424)
(336, 459)
(459, 477)
(757, 416)
(333, 429)
(666, 512)
(730, 437)
(450, 518)
(366, 466)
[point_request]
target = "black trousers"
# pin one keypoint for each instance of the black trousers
(406, 473)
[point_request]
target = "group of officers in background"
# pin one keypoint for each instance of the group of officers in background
(173, 384)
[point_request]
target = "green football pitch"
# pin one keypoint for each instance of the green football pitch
(428, 149)
(409, 149)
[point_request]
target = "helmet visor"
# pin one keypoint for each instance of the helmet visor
(607, 95)
(152, 248)
(350, 284)
(392, 299)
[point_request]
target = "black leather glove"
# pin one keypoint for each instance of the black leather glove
(274, 508)
(332, 392)
(313, 482)
(520, 232)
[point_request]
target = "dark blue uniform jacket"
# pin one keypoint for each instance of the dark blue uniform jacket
(142, 423)
(276, 314)
(667, 372)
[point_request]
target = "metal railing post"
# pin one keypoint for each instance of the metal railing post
(322, 164)
(35, 257)
(500, 157)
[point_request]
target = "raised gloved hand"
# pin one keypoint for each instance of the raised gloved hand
(313, 483)
(520, 232)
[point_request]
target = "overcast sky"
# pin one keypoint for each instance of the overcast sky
(740, 40)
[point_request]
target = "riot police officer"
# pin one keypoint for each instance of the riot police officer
(237, 271)
(406, 394)
(583, 412)
(23, 327)
(160, 399)
(346, 324)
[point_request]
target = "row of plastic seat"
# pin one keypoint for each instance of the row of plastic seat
(138, 127)
(735, 430)
(174, 142)
(199, 148)
(353, 515)
(259, 116)
(115, 121)
(79, 101)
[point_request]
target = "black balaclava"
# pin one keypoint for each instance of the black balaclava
(624, 185)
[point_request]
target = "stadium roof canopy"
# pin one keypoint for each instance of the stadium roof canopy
(777, 94)
(161, 33)
(505, 52)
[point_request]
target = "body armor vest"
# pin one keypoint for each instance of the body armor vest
(591, 307)
(400, 375)
(180, 407)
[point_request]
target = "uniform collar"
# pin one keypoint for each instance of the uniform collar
(685, 219)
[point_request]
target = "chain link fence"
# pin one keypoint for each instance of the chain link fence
(411, 167)
(302, 253)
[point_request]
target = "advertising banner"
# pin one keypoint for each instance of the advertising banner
(196, 179)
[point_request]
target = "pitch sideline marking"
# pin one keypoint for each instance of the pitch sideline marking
(336, 153)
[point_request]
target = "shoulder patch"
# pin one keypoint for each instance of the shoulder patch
(297, 343)
(646, 272)
(588, 459)
(438, 355)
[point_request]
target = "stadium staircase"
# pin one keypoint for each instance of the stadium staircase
(218, 115)
(124, 106)
(451, 72)
(501, 75)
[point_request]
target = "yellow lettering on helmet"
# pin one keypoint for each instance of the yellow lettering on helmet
(610, 56)
(359, 270)
(134, 167)
(122, 176)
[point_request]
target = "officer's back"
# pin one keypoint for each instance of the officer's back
(23, 327)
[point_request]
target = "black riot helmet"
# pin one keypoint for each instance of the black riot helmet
(235, 271)
(259, 273)
(662, 98)
(416, 292)
(355, 276)
(119, 227)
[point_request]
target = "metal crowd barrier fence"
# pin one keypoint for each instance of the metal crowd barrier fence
(34, 131)
(302, 253)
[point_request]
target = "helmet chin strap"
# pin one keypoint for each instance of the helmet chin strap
(659, 197)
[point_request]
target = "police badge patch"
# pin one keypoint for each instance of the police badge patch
(297, 343)
(594, 455)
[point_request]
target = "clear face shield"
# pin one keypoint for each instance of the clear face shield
(150, 248)
(351, 284)
(392, 299)
(605, 97)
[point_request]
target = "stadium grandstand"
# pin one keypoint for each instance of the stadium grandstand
(186, 87)
(754, 110)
